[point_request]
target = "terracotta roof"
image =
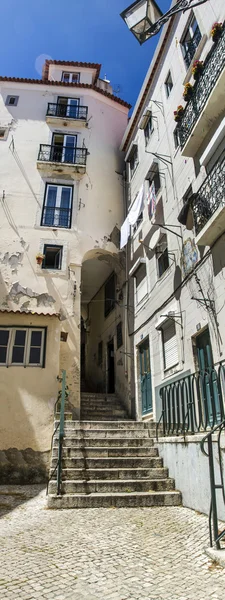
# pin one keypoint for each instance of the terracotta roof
(63, 84)
(148, 85)
(70, 63)
(29, 312)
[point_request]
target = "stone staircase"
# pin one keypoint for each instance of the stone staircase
(109, 461)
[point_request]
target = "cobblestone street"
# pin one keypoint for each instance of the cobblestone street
(110, 554)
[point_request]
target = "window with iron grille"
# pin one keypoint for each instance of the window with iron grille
(133, 160)
(119, 335)
(190, 41)
(162, 256)
(168, 84)
(110, 294)
(148, 130)
(100, 353)
(52, 257)
(22, 346)
(57, 209)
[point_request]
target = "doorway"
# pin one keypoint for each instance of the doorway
(111, 368)
(208, 378)
(64, 148)
(145, 375)
(69, 107)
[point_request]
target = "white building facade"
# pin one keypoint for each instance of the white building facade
(61, 210)
(175, 182)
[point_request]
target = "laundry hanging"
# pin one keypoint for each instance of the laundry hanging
(136, 207)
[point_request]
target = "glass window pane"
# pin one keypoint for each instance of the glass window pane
(4, 337)
(18, 354)
(36, 337)
(35, 356)
(3, 352)
(20, 337)
(51, 196)
(65, 197)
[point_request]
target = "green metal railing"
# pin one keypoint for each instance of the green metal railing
(60, 427)
(214, 533)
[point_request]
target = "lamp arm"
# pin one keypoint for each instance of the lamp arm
(181, 6)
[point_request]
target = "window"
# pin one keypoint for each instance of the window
(154, 177)
(12, 100)
(190, 41)
(68, 107)
(176, 137)
(22, 346)
(100, 354)
(169, 341)
(138, 222)
(119, 335)
(3, 133)
(148, 130)
(53, 257)
(63, 149)
(168, 84)
(162, 256)
(70, 77)
(141, 283)
(57, 208)
(110, 294)
(133, 160)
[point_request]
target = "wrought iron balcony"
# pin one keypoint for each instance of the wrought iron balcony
(56, 217)
(210, 196)
(190, 47)
(194, 403)
(62, 154)
(213, 67)
(67, 111)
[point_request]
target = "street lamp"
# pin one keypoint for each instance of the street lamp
(144, 17)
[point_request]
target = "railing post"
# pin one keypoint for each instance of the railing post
(61, 431)
(213, 491)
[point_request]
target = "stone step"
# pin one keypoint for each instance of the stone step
(128, 424)
(134, 499)
(105, 434)
(91, 452)
(105, 463)
(103, 414)
(102, 417)
(67, 415)
(119, 485)
(140, 473)
(100, 442)
(103, 396)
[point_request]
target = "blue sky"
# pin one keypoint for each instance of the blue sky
(83, 30)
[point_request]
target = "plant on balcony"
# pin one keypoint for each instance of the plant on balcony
(178, 113)
(216, 31)
(39, 258)
(188, 90)
(197, 68)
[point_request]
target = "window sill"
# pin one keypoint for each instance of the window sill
(53, 228)
(171, 371)
(195, 57)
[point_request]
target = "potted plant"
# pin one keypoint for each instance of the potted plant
(216, 31)
(197, 68)
(39, 258)
(178, 113)
(188, 90)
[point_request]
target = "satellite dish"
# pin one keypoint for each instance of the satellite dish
(155, 239)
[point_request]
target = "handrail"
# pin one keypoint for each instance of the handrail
(67, 111)
(213, 514)
(61, 431)
(62, 154)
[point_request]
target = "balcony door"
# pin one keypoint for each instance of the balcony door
(69, 107)
(145, 374)
(208, 378)
(64, 148)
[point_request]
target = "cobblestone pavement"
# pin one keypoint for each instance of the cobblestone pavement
(105, 554)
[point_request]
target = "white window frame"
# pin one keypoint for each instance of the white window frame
(167, 367)
(71, 74)
(12, 334)
(58, 203)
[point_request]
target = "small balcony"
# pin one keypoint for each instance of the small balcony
(208, 205)
(207, 101)
(66, 160)
(61, 114)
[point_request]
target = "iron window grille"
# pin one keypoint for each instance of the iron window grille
(22, 346)
(190, 41)
(62, 154)
(66, 110)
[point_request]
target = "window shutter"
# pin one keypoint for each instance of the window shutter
(170, 345)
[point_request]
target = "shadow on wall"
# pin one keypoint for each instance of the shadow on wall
(12, 496)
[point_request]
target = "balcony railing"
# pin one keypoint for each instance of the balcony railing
(210, 195)
(190, 47)
(213, 66)
(67, 111)
(56, 217)
(63, 154)
(194, 403)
